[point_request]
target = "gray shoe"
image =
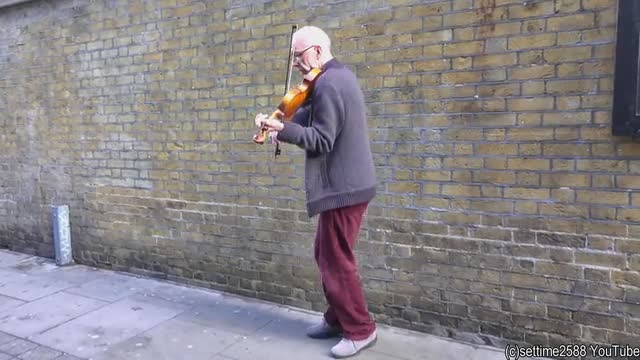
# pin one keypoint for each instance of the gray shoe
(323, 330)
(346, 348)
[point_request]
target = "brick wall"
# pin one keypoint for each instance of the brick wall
(506, 211)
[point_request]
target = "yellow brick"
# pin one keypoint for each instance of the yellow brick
(404, 27)
(495, 177)
(463, 34)
(433, 175)
(566, 150)
(349, 32)
(532, 72)
(567, 134)
(463, 48)
(532, 134)
(432, 51)
(376, 70)
(569, 38)
(605, 84)
(526, 207)
(564, 179)
(496, 149)
(530, 88)
(567, 118)
(597, 101)
(431, 9)
(566, 87)
(461, 190)
(567, 6)
(528, 164)
(462, 63)
(570, 70)
(628, 181)
(568, 102)
(531, 41)
(432, 23)
(601, 133)
(628, 150)
(152, 57)
(403, 53)
(598, 35)
(472, 106)
(598, 4)
(534, 26)
(564, 210)
(430, 65)
(528, 179)
(461, 77)
(602, 181)
(459, 19)
(602, 197)
(531, 57)
(403, 187)
(188, 10)
(563, 55)
(508, 89)
(494, 75)
(495, 206)
(533, 9)
(493, 61)
(539, 103)
(530, 149)
(432, 37)
(497, 30)
(571, 22)
(602, 165)
(493, 105)
(525, 193)
(607, 17)
(376, 42)
(601, 67)
(495, 163)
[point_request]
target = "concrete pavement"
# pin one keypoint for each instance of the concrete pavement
(77, 312)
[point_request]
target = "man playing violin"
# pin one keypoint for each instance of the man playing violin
(340, 182)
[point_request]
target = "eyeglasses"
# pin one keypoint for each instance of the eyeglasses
(298, 54)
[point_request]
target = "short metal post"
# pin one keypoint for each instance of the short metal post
(62, 235)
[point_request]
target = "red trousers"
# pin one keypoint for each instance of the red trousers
(335, 239)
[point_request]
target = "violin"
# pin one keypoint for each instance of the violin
(292, 99)
(290, 103)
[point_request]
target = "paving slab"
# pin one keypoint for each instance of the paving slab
(28, 287)
(48, 312)
(80, 313)
(173, 339)
(47, 268)
(111, 287)
(97, 331)
(232, 316)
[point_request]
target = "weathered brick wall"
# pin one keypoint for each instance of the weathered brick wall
(506, 209)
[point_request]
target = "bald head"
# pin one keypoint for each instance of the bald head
(313, 36)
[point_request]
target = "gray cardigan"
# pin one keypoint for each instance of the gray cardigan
(332, 128)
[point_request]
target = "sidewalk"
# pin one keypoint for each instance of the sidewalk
(77, 312)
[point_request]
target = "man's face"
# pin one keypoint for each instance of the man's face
(305, 56)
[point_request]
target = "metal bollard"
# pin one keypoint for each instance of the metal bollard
(62, 235)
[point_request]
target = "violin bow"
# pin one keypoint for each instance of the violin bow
(288, 81)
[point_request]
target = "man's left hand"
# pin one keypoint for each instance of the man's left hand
(269, 123)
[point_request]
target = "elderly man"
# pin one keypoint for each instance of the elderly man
(340, 182)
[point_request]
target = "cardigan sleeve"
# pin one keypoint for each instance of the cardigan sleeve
(327, 119)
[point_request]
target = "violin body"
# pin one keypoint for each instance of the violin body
(290, 103)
